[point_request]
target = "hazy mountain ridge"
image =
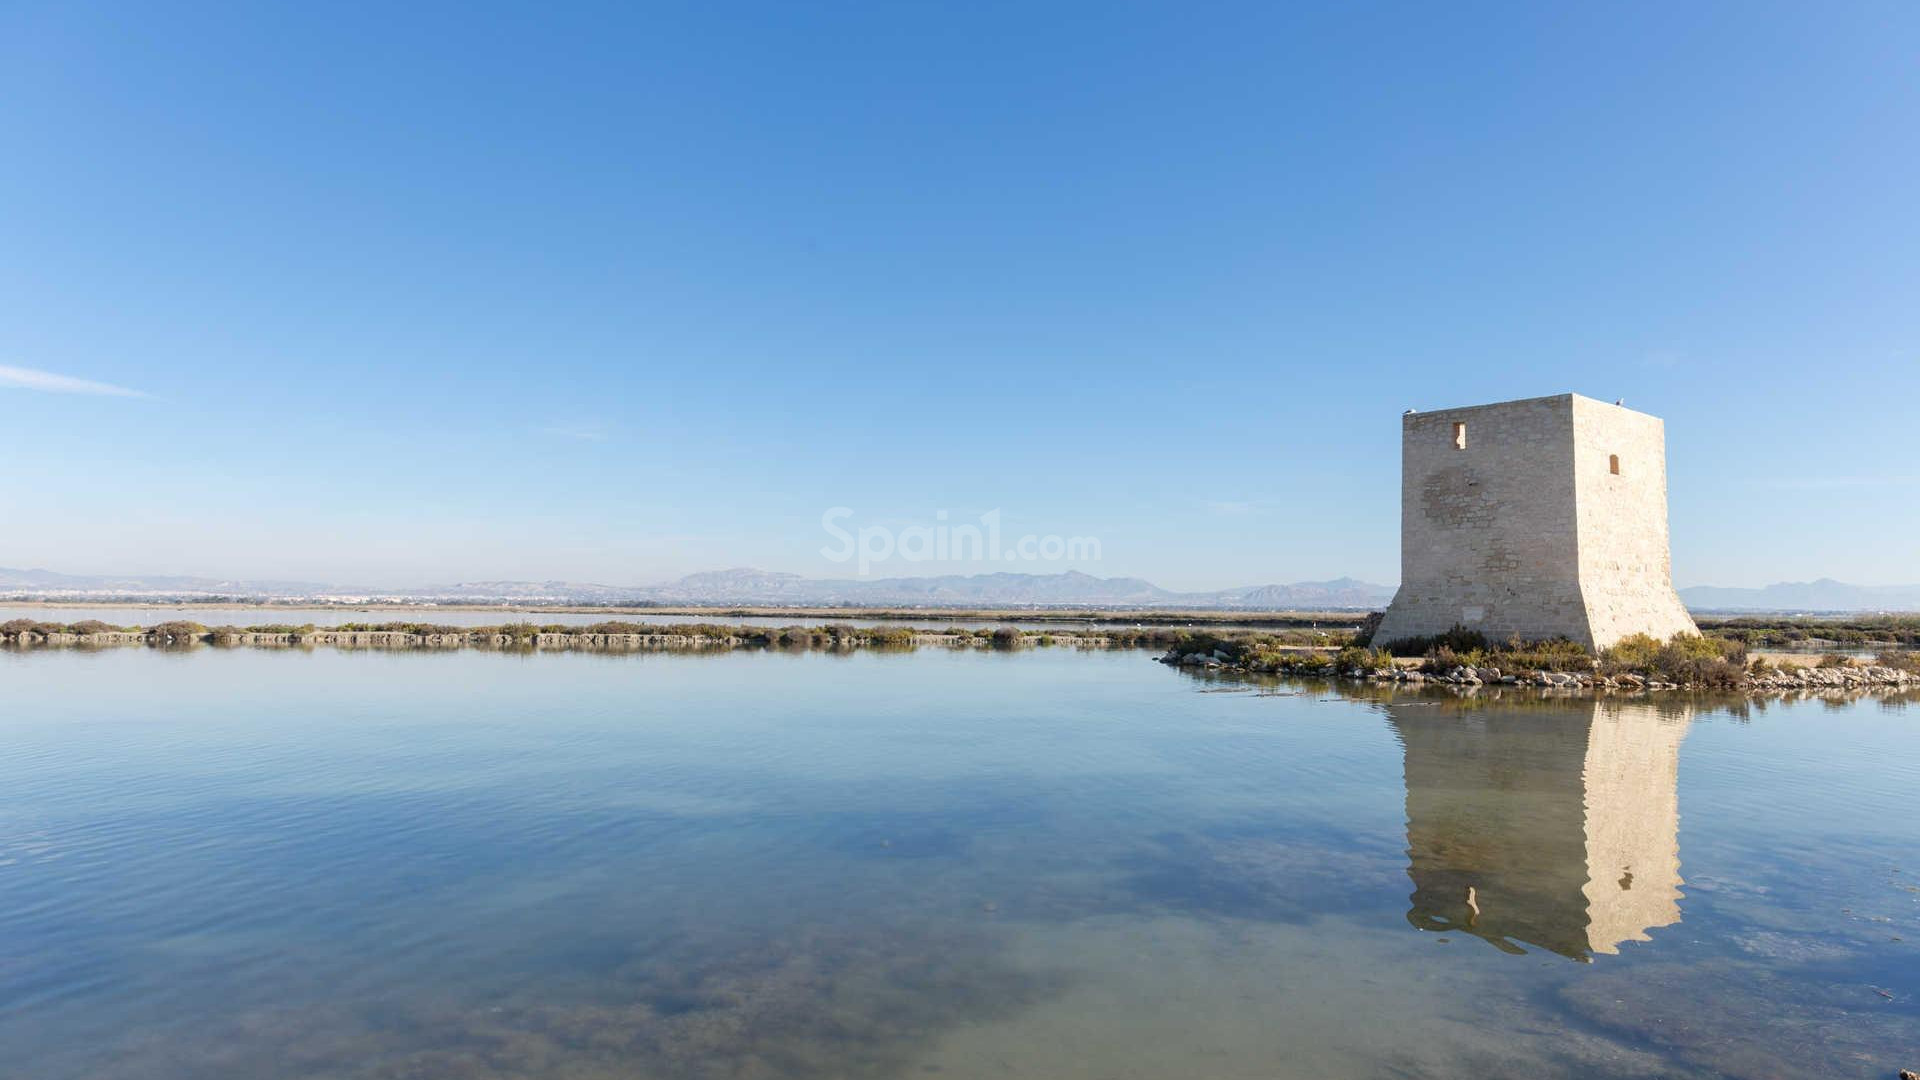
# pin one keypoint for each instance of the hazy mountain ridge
(739, 587)
(1825, 594)
(747, 587)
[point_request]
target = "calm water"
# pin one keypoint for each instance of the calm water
(250, 863)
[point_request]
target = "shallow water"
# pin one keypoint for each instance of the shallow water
(1052, 863)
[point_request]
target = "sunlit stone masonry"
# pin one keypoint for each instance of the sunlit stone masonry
(1539, 518)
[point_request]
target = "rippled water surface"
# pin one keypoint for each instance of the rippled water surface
(252, 863)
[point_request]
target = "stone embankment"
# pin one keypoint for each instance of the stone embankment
(1852, 677)
(402, 639)
(375, 639)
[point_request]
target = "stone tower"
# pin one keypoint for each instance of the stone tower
(1535, 519)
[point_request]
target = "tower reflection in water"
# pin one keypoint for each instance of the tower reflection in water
(1552, 824)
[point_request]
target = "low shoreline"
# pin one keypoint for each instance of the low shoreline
(1332, 620)
(1408, 673)
(527, 637)
(1300, 659)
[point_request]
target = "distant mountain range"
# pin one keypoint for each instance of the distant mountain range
(741, 587)
(1069, 589)
(762, 588)
(1823, 595)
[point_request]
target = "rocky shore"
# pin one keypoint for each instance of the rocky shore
(719, 638)
(1770, 679)
(1351, 664)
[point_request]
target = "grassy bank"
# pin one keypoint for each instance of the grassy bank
(1791, 632)
(1691, 661)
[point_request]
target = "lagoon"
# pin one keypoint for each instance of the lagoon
(1044, 863)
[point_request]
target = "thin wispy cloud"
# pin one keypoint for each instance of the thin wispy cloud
(19, 378)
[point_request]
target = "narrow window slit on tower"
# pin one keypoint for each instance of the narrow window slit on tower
(1613, 464)
(1460, 436)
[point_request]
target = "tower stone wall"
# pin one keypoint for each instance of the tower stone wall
(1535, 519)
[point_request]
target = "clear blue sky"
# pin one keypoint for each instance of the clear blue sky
(425, 292)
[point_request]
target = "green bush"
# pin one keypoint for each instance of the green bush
(13, 628)
(1633, 651)
(1713, 674)
(1364, 659)
(614, 627)
(1459, 640)
(397, 628)
(1464, 649)
(1690, 659)
(1300, 664)
(1441, 659)
(1556, 654)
